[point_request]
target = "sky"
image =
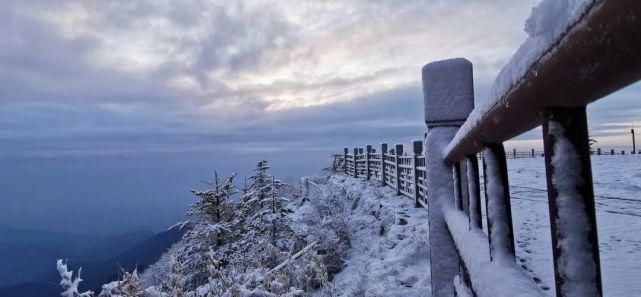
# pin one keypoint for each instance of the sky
(111, 110)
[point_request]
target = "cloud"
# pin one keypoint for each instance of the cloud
(160, 77)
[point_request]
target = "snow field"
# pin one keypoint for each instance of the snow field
(617, 186)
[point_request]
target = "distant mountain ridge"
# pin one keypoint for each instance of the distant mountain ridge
(143, 249)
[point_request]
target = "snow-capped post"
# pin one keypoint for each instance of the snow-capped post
(345, 153)
(448, 94)
(368, 150)
(497, 198)
(417, 147)
(598, 151)
(575, 244)
(514, 152)
(397, 172)
(532, 153)
(474, 191)
(383, 152)
(355, 173)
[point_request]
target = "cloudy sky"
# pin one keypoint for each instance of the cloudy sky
(112, 109)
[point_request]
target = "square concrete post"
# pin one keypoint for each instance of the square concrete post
(345, 153)
(355, 173)
(383, 152)
(449, 98)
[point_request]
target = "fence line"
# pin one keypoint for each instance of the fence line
(598, 55)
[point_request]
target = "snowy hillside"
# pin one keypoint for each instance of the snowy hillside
(336, 235)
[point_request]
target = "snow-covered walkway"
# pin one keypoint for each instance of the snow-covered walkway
(389, 254)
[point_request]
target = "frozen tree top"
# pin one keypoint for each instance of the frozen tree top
(546, 26)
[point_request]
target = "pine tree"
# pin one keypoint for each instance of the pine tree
(213, 203)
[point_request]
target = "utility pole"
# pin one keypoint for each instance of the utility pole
(634, 145)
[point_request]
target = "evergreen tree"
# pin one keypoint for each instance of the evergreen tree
(213, 203)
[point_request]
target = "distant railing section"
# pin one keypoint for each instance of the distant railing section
(405, 173)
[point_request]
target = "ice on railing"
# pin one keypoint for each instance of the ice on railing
(546, 25)
(499, 278)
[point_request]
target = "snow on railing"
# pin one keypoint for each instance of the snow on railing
(578, 51)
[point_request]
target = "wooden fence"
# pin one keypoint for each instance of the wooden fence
(598, 55)
(403, 172)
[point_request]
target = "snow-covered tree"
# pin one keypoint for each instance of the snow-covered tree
(263, 210)
(213, 203)
(129, 285)
(68, 283)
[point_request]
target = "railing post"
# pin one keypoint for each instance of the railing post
(575, 242)
(368, 150)
(383, 152)
(448, 102)
(345, 153)
(514, 152)
(355, 163)
(474, 191)
(532, 153)
(612, 152)
(598, 151)
(497, 199)
(417, 147)
(399, 153)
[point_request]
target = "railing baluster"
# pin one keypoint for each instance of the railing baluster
(399, 153)
(418, 150)
(383, 152)
(458, 193)
(497, 199)
(575, 242)
(474, 191)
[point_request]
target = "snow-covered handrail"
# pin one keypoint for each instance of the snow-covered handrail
(578, 52)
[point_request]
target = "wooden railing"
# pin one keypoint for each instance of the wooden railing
(599, 54)
(402, 172)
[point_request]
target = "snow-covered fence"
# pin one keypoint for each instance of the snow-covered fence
(403, 172)
(577, 52)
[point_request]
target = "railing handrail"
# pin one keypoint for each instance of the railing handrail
(609, 36)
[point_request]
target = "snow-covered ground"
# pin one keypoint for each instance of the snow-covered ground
(617, 185)
(389, 254)
(397, 262)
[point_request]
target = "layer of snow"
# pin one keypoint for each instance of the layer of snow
(546, 26)
(389, 253)
(489, 278)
